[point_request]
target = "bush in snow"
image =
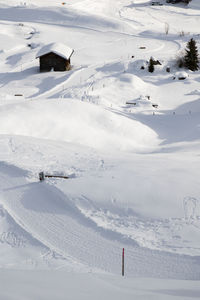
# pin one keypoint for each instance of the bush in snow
(151, 65)
(191, 60)
(178, 1)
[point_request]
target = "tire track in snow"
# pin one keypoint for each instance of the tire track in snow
(52, 218)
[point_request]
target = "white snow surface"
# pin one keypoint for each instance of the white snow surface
(128, 140)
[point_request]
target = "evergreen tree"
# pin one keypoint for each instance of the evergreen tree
(187, 1)
(191, 59)
(151, 65)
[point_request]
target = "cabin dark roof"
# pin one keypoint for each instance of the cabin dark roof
(57, 48)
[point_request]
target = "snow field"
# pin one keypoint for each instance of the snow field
(133, 167)
(50, 285)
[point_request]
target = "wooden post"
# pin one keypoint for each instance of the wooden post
(41, 176)
(123, 262)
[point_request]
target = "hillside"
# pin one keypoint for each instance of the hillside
(128, 140)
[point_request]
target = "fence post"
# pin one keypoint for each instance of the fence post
(123, 262)
(41, 176)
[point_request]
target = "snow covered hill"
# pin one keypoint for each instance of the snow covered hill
(128, 140)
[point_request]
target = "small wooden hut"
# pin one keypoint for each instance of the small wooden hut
(55, 56)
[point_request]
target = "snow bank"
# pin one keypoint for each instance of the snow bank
(77, 122)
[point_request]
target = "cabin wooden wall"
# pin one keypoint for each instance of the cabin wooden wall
(53, 61)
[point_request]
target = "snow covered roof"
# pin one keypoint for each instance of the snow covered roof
(57, 48)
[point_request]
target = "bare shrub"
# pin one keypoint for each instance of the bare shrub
(166, 28)
(182, 33)
(179, 61)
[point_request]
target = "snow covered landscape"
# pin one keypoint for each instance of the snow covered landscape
(127, 139)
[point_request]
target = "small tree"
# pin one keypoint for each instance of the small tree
(151, 65)
(191, 59)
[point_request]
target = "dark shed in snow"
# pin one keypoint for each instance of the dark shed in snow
(55, 57)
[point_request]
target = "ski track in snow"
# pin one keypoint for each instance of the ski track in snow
(51, 217)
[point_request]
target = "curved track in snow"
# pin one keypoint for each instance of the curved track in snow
(51, 217)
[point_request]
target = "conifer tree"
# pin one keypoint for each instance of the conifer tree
(191, 59)
(151, 65)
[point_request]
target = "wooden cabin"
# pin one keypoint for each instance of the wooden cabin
(55, 57)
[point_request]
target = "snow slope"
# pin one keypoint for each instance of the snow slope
(74, 122)
(129, 141)
(62, 228)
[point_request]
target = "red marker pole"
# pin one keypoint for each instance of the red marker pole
(123, 262)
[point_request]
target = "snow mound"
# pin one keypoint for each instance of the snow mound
(77, 122)
(181, 75)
